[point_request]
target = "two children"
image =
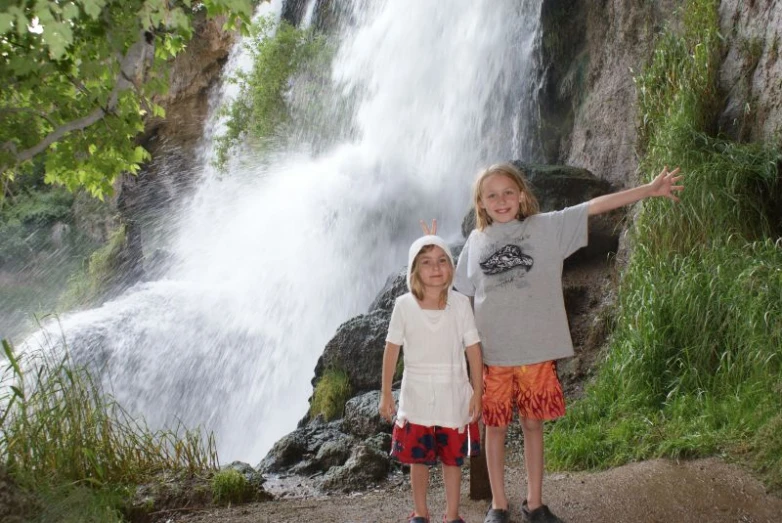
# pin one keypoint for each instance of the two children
(512, 267)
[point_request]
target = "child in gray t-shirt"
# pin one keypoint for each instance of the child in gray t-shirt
(512, 266)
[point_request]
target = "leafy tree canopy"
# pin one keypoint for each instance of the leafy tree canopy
(77, 78)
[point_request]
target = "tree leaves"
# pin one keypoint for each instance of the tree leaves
(76, 74)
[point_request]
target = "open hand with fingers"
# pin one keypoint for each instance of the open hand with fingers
(664, 184)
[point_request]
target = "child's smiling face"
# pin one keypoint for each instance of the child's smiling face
(500, 198)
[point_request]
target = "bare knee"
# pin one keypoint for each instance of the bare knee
(531, 426)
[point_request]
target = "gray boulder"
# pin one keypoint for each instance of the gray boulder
(365, 466)
(357, 348)
(362, 418)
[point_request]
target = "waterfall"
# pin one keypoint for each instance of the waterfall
(270, 257)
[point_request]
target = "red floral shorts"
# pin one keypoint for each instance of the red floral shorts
(420, 445)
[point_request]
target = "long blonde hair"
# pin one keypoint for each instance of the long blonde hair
(417, 286)
(528, 205)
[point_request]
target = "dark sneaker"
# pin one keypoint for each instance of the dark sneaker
(417, 519)
(540, 515)
(460, 520)
(497, 515)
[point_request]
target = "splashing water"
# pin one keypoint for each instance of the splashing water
(272, 257)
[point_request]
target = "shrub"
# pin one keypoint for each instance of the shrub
(230, 487)
(331, 394)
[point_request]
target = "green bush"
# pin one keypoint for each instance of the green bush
(230, 487)
(331, 394)
(694, 361)
(260, 110)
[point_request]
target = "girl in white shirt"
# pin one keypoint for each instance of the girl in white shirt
(438, 406)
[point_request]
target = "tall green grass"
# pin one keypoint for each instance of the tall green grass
(61, 433)
(694, 363)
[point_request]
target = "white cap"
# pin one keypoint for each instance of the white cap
(419, 244)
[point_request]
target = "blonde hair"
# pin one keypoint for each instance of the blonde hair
(528, 205)
(417, 286)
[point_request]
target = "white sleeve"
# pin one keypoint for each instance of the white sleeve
(396, 327)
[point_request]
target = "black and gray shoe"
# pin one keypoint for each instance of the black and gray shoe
(542, 514)
(497, 515)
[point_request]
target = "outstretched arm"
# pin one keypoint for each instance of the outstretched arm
(662, 185)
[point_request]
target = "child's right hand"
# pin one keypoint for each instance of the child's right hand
(387, 407)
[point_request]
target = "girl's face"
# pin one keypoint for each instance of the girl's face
(434, 268)
(500, 198)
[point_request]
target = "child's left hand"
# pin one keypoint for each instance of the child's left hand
(663, 184)
(476, 408)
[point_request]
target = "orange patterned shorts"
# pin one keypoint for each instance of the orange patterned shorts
(534, 389)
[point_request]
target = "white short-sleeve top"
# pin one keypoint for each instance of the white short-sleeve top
(435, 387)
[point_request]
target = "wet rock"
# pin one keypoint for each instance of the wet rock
(298, 451)
(357, 348)
(366, 465)
(395, 286)
(362, 418)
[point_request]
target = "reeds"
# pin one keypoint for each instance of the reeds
(59, 426)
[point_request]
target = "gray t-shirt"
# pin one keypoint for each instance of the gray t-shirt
(514, 271)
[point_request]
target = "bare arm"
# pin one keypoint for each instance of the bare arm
(390, 356)
(662, 185)
(475, 360)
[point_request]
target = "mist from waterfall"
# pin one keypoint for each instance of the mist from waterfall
(272, 256)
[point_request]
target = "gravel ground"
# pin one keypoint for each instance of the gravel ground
(707, 490)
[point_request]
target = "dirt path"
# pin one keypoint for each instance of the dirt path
(657, 491)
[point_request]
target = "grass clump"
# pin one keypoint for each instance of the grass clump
(63, 438)
(695, 358)
(230, 487)
(331, 394)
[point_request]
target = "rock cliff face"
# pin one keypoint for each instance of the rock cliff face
(592, 50)
(751, 73)
(172, 141)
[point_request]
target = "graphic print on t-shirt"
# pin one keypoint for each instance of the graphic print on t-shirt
(506, 258)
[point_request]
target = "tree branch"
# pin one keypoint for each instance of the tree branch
(132, 68)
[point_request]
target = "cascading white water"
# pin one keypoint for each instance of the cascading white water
(271, 257)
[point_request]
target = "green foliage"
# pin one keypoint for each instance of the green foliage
(278, 51)
(695, 357)
(230, 487)
(331, 394)
(57, 427)
(102, 61)
(90, 284)
(25, 224)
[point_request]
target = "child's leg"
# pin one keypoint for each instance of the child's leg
(495, 462)
(452, 477)
(419, 481)
(533, 460)
(499, 395)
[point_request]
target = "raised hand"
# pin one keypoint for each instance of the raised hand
(427, 230)
(664, 184)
